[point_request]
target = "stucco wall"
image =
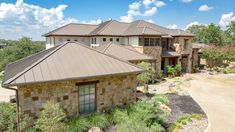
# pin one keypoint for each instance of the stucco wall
(110, 91)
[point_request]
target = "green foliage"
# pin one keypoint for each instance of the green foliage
(227, 71)
(98, 120)
(144, 115)
(216, 56)
(51, 118)
(1, 76)
(213, 34)
(148, 74)
(19, 49)
(78, 124)
(8, 117)
(173, 70)
(183, 120)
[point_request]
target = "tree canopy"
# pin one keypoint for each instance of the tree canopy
(16, 50)
(213, 34)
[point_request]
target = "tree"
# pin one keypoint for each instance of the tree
(19, 49)
(198, 30)
(51, 118)
(147, 75)
(213, 35)
(229, 34)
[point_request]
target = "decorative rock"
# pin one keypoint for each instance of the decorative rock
(95, 129)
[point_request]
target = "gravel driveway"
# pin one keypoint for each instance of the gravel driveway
(216, 95)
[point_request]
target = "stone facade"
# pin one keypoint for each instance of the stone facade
(110, 91)
(185, 50)
(195, 58)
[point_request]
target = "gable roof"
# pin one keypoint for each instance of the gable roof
(116, 28)
(65, 62)
(123, 52)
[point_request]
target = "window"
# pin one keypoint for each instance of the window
(146, 41)
(117, 39)
(75, 40)
(104, 39)
(149, 41)
(87, 99)
(111, 39)
(68, 39)
(93, 40)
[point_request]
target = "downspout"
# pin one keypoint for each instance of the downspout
(17, 106)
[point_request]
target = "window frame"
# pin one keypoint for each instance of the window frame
(95, 94)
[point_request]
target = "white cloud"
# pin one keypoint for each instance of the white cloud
(22, 19)
(146, 8)
(150, 12)
(205, 8)
(186, 1)
(173, 26)
(149, 20)
(98, 21)
(135, 6)
(147, 3)
(160, 3)
(226, 19)
(194, 23)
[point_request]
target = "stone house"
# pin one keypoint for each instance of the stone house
(166, 46)
(81, 79)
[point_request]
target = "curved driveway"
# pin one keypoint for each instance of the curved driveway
(216, 95)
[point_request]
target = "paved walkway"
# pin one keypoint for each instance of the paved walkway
(216, 95)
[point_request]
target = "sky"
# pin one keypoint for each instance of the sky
(33, 18)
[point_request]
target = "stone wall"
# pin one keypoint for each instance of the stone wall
(155, 52)
(195, 58)
(110, 91)
(178, 46)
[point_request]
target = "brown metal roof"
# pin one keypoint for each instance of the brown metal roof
(73, 29)
(170, 53)
(123, 52)
(113, 27)
(65, 62)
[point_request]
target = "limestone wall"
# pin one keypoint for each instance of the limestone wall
(110, 91)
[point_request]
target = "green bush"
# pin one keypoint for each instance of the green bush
(51, 118)
(8, 117)
(98, 120)
(1, 76)
(148, 74)
(78, 124)
(226, 71)
(173, 70)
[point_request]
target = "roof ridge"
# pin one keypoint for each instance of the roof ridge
(108, 45)
(36, 63)
(102, 29)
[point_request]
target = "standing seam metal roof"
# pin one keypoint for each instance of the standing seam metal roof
(65, 62)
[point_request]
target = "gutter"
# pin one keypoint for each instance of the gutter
(17, 105)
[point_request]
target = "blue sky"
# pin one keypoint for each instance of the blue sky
(33, 18)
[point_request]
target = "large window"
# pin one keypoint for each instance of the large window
(149, 41)
(186, 44)
(87, 99)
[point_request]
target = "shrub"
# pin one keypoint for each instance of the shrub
(8, 117)
(78, 124)
(97, 120)
(148, 74)
(1, 76)
(173, 70)
(51, 118)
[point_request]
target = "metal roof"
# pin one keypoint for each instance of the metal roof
(65, 62)
(127, 53)
(113, 27)
(170, 53)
